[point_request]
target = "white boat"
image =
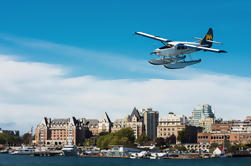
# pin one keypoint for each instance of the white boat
(70, 150)
(133, 155)
(4, 151)
(153, 157)
(141, 154)
(23, 151)
(156, 155)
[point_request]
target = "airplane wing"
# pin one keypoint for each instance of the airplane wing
(204, 48)
(152, 37)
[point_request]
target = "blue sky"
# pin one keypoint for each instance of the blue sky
(108, 26)
(81, 58)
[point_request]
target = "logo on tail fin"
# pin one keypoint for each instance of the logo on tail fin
(209, 37)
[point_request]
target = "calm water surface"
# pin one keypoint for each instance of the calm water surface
(17, 160)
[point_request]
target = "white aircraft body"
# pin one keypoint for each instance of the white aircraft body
(174, 53)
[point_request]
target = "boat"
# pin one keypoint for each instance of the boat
(4, 151)
(70, 150)
(133, 155)
(153, 157)
(23, 151)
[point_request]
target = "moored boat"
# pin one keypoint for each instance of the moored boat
(23, 151)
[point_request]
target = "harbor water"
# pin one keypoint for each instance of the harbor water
(24, 160)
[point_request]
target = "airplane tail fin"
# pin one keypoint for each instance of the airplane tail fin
(208, 36)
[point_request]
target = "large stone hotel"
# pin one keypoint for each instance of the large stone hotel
(61, 131)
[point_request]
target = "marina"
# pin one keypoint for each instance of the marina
(121, 152)
(24, 160)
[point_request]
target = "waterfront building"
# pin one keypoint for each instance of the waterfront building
(206, 124)
(118, 124)
(218, 138)
(60, 131)
(173, 119)
(105, 124)
(165, 131)
(240, 138)
(136, 122)
(171, 125)
(221, 128)
(151, 119)
(241, 127)
(10, 132)
(92, 125)
(201, 112)
(234, 131)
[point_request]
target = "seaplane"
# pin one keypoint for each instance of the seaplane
(174, 53)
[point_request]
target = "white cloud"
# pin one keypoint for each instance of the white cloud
(30, 91)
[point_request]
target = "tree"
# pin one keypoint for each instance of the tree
(9, 139)
(90, 141)
(234, 148)
(171, 139)
(159, 142)
(128, 133)
(103, 141)
(122, 137)
(142, 139)
(188, 134)
(26, 138)
(180, 147)
(212, 147)
(182, 136)
(103, 133)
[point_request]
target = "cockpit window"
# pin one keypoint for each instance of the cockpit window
(166, 46)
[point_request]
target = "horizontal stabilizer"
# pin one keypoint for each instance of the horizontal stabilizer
(197, 38)
(210, 41)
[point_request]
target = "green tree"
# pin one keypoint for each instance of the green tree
(182, 136)
(171, 139)
(103, 133)
(160, 142)
(115, 141)
(212, 147)
(90, 141)
(122, 137)
(188, 134)
(9, 139)
(27, 138)
(142, 139)
(128, 133)
(234, 148)
(178, 147)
